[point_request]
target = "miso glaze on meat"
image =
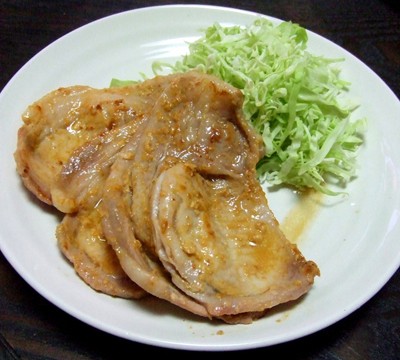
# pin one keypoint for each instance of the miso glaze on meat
(169, 186)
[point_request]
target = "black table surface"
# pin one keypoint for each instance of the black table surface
(33, 328)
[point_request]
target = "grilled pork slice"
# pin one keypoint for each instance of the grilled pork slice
(78, 192)
(78, 119)
(222, 245)
(188, 220)
(55, 126)
(80, 238)
(65, 119)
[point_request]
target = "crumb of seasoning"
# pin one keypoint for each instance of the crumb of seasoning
(284, 317)
(220, 332)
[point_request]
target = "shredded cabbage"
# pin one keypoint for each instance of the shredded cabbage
(295, 100)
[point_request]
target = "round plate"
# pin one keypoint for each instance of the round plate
(353, 238)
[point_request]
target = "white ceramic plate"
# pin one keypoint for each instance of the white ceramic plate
(354, 239)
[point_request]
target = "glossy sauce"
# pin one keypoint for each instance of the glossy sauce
(301, 215)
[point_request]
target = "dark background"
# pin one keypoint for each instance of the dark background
(33, 328)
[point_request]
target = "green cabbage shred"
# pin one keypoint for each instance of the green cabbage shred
(295, 100)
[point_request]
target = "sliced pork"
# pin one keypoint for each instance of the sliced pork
(186, 215)
(63, 120)
(78, 119)
(222, 244)
(80, 238)
(161, 195)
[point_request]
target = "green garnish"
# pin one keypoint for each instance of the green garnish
(295, 100)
